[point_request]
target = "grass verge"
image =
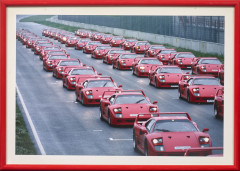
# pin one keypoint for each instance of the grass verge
(24, 145)
(41, 19)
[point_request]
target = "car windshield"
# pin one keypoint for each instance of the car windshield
(117, 38)
(44, 44)
(69, 63)
(116, 51)
(157, 47)
(185, 55)
(131, 40)
(205, 81)
(51, 48)
(94, 43)
(167, 51)
(174, 125)
(103, 47)
(131, 99)
(107, 36)
(83, 40)
(142, 43)
(171, 70)
(130, 56)
(100, 83)
(150, 61)
(56, 52)
(82, 72)
(57, 57)
(210, 61)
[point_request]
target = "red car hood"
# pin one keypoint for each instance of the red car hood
(172, 77)
(82, 78)
(186, 61)
(177, 141)
(212, 67)
(132, 110)
(207, 90)
(128, 61)
(98, 91)
(149, 66)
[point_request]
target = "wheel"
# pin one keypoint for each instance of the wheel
(197, 72)
(100, 113)
(109, 119)
(53, 74)
(133, 72)
(113, 66)
(118, 66)
(179, 93)
(146, 149)
(134, 142)
(82, 100)
(216, 111)
(155, 83)
(189, 98)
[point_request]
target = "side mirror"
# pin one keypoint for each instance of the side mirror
(205, 130)
(143, 131)
(120, 86)
(99, 73)
(155, 102)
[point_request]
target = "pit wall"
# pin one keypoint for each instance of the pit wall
(201, 46)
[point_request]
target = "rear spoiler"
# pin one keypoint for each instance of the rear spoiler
(197, 149)
(160, 114)
(121, 91)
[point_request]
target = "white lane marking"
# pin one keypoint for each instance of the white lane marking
(98, 130)
(42, 151)
(111, 139)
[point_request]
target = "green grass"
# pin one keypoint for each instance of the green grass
(41, 19)
(24, 145)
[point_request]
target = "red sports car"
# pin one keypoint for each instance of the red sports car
(153, 50)
(168, 134)
(47, 49)
(221, 74)
(91, 46)
(65, 64)
(165, 76)
(78, 75)
(81, 43)
(36, 42)
(121, 108)
(164, 55)
(72, 41)
(124, 61)
(116, 41)
(91, 90)
(142, 67)
(140, 47)
(206, 65)
(64, 38)
(31, 41)
(106, 38)
(182, 59)
(92, 34)
(41, 46)
(100, 51)
(51, 62)
(128, 43)
(112, 53)
(219, 103)
(79, 32)
(54, 52)
(201, 89)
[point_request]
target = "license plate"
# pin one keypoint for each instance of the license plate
(181, 147)
(210, 100)
(130, 67)
(188, 67)
(214, 70)
(133, 114)
(174, 85)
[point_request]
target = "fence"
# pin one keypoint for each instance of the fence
(204, 28)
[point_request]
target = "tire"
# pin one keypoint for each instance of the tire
(82, 100)
(155, 83)
(133, 72)
(100, 113)
(118, 67)
(109, 119)
(189, 97)
(179, 94)
(134, 142)
(216, 111)
(146, 149)
(197, 72)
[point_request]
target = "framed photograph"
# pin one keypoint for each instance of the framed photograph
(65, 133)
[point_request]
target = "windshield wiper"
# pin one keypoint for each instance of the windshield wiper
(105, 84)
(139, 100)
(162, 130)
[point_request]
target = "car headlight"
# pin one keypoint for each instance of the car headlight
(89, 92)
(157, 141)
(73, 78)
(204, 140)
(153, 109)
(142, 67)
(116, 110)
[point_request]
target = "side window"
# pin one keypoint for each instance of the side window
(111, 99)
(158, 70)
(190, 81)
(149, 125)
(85, 84)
